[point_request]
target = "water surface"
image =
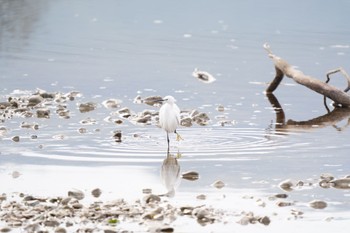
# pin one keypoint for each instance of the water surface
(121, 49)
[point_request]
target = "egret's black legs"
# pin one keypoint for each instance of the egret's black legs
(167, 137)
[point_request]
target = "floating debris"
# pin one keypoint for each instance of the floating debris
(316, 204)
(203, 76)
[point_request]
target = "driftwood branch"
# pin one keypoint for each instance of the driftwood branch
(284, 69)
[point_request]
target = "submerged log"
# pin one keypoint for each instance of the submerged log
(340, 98)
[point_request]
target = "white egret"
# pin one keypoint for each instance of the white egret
(169, 117)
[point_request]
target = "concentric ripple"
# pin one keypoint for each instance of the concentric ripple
(142, 145)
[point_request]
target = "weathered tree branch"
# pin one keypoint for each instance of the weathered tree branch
(284, 69)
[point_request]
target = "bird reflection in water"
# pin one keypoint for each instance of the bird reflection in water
(170, 174)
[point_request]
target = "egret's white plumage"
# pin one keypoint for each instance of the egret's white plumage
(169, 116)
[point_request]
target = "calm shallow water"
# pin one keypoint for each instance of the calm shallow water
(121, 49)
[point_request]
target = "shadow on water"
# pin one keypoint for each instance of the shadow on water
(332, 118)
(16, 30)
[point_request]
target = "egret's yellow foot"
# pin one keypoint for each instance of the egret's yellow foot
(178, 137)
(178, 155)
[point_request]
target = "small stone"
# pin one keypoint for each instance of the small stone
(117, 135)
(165, 229)
(15, 174)
(5, 229)
(109, 231)
(60, 230)
(51, 223)
(201, 119)
(118, 121)
(244, 221)
(327, 177)
(265, 220)
(3, 197)
(147, 191)
(124, 112)
(43, 113)
(283, 204)
(218, 184)
(96, 192)
(65, 201)
(88, 121)
(220, 108)
(82, 130)
(15, 138)
(281, 195)
(186, 122)
(153, 100)
(190, 175)
(151, 198)
(77, 206)
(201, 197)
(260, 203)
(316, 204)
(35, 100)
(33, 203)
(77, 194)
(112, 103)
(186, 210)
(325, 184)
(343, 183)
(137, 100)
(87, 107)
(286, 185)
